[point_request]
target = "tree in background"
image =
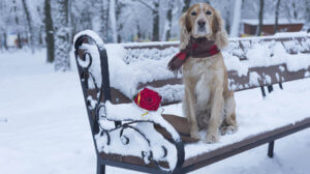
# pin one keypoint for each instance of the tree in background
(154, 7)
(30, 21)
(30, 25)
(49, 31)
(307, 13)
(120, 20)
(105, 19)
(62, 43)
(3, 35)
(113, 21)
(260, 18)
(276, 23)
(168, 21)
(186, 5)
(17, 21)
(236, 19)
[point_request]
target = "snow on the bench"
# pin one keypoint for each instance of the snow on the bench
(126, 77)
(90, 33)
(133, 67)
(280, 108)
(137, 143)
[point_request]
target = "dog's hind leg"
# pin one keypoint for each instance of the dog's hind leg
(216, 118)
(230, 122)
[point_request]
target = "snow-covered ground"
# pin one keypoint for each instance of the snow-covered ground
(44, 126)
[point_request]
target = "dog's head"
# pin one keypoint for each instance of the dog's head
(202, 20)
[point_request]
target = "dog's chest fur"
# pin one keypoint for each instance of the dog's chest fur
(201, 75)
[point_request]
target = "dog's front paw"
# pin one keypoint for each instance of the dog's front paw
(212, 138)
(228, 130)
(195, 135)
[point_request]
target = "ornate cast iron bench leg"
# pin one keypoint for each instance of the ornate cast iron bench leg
(100, 166)
(270, 149)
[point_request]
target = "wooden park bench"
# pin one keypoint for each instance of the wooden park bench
(159, 144)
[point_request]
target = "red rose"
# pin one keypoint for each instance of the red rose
(148, 99)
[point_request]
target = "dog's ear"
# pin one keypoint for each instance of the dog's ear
(184, 22)
(186, 28)
(219, 32)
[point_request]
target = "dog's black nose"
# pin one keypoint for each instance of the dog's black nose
(201, 23)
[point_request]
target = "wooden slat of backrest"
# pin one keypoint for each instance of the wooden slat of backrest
(263, 76)
(256, 77)
(158, 46)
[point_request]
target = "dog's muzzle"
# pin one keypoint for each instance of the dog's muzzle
(201, 25)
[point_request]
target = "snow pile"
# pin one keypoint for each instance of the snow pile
(134, 55)
(170, 93)
(126, 77)
(260, 53)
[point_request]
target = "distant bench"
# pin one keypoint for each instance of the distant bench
(108, 120)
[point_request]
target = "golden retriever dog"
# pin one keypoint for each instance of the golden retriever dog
(208, 103)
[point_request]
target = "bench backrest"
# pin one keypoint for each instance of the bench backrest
(246, 72)
(93, 68)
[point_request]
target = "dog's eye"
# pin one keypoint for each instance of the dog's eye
(194, 13)
(208, 12)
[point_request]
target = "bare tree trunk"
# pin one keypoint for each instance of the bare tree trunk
(30, 26)
(169, 20)
(4, 41)
(139, 34)
(155, 13)
(156, 21)
(276, 24)
(2, 29)
(236, 20)
(105, 19)
(187, 3)
(119, 7)
(295, 14)
(19, 40)
(307, 5)
(49, 31)
(62, 44)
(260, 18)
(113, 20)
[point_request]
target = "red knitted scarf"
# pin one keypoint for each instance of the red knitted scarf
(196, 48)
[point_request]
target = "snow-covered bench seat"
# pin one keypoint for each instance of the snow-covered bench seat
(159, 142)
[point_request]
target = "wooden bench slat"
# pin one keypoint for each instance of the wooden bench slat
(181, 126)
(129, 161)
(267, 76)
(246, 144)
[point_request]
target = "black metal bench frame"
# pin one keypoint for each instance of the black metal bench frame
(182, 166)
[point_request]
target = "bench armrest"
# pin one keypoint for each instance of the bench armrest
(117, 134)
